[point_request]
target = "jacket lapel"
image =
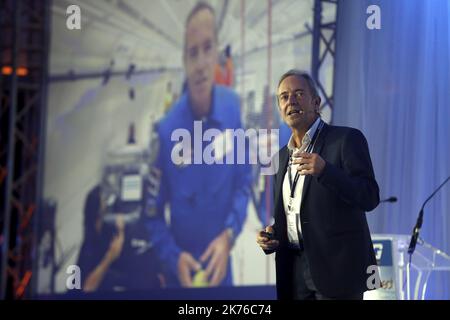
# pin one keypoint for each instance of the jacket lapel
(317, 149)
(283, 162)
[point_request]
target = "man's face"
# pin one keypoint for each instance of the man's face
(200, 57)
(298, 107)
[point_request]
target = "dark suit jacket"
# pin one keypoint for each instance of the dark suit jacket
(334, 227)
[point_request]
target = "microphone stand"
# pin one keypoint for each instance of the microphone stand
(416, 230)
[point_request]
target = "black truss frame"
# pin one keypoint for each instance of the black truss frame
(23, 46)
(323, 45)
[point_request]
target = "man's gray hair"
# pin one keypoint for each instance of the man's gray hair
(301, 74)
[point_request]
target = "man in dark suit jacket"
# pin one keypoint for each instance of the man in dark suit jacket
(324, 185)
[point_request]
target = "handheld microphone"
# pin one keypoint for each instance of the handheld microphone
(390, 199)
(416, 230)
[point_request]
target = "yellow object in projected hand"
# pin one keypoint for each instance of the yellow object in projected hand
(200, 279)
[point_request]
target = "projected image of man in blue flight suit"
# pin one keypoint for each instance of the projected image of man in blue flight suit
(208, 202)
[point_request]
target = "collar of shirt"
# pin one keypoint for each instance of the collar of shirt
(307, 137)
(215, 113)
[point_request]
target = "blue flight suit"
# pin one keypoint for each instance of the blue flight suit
(204, 199)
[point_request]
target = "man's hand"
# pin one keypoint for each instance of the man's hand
(186, 266)
(309, 163)
(218, 253)
(264, 242)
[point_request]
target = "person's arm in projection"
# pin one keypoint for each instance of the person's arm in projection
(95, 277)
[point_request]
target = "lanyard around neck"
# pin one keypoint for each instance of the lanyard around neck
(309, 149)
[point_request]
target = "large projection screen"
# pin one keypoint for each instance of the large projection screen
(119, 82)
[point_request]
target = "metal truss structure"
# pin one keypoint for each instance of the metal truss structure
(23, 60)
(323, 46)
